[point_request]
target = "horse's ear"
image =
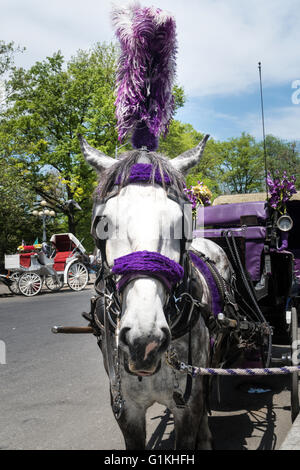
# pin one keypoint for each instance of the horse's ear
(190, 158)
(94, 157)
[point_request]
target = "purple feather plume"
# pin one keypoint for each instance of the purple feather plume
(146, 72)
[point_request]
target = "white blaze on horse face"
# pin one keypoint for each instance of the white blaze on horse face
(140, 218)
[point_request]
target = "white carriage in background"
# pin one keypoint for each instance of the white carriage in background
(64, 262)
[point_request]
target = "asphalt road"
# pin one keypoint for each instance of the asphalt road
(54, 391)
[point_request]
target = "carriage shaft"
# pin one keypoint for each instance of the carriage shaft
(72, 330)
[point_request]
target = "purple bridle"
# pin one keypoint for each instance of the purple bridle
(147, 264)
(141, 173)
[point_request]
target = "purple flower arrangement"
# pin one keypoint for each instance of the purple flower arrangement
(281, 190)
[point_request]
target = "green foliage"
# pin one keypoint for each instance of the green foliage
(241, 165)
(179, 96)
(282, 156)
(17, 202)
(181, 137)
(7, 53)
(208, 169)
(48, 105)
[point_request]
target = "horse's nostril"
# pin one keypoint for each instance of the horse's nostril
(123, 337)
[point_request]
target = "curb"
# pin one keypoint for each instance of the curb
(292, 440)
(5, 292)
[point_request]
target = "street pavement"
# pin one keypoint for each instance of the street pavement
(54, 390)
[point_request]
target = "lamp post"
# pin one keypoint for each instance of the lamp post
(45, 214)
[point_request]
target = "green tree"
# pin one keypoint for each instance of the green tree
(17, 202)
(47, 106)
(282, 156)
(207, 170)
(241, 165)
(7, 54)
(182, 137)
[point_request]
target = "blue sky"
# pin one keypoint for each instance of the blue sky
(228, 115)
(220, 45)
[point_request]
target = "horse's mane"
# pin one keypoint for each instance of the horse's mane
(120, 171)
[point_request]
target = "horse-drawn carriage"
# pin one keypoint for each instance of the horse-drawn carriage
(64, 262)
(268, 246)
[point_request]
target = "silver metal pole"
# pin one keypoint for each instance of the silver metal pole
(263, 127)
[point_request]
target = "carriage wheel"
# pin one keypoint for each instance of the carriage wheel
(77, 276)
(30, 284)
(14, 287)
(295, 361)
(54, 283)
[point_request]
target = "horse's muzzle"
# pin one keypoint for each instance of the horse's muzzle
(144, 353)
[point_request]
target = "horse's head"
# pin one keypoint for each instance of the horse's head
(140, 228)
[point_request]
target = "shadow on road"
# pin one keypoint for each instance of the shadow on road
(243, 420)
(6, 295)
(240, 421)
(161, 439)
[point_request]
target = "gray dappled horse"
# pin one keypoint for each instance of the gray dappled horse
(140, 212)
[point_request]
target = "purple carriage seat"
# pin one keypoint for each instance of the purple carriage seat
(246, 220)
(234, 215)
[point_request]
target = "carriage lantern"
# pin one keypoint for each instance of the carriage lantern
(285, 223)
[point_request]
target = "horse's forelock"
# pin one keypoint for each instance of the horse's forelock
(122, 168)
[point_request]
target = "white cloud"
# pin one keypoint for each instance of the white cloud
(220, 42)
(220, 45)
(45, 27)
(283, 122)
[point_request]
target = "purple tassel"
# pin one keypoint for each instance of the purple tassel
(284, 240)
(146, 72)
